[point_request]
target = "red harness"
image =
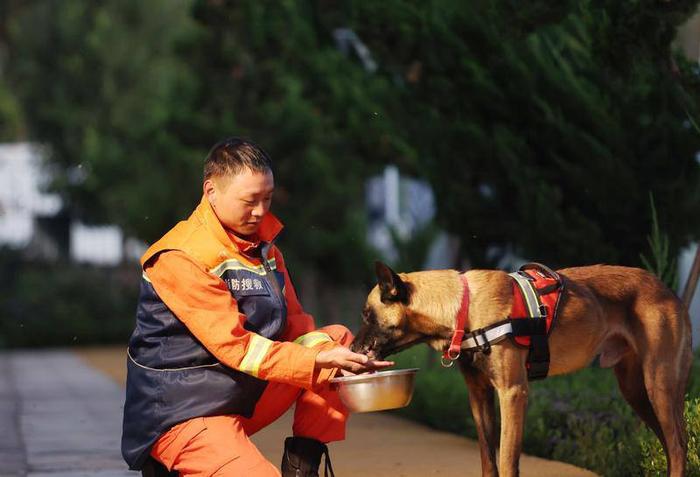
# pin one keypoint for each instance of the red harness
(536, 294)
(548, 291)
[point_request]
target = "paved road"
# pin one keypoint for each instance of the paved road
(58, 417)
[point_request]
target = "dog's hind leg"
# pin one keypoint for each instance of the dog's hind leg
(481, 401)
(666, 390)
(659, 412)
(630, 379)
(665, 363)
(663, 393)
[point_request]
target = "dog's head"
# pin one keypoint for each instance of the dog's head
(395, 315)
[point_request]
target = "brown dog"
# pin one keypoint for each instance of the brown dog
(624, 315)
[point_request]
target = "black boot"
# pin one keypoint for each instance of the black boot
(302, 456)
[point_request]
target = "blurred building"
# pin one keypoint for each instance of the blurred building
(685, 262)
(36, 222)
(22, 203)
(689, 37)
(399, 208)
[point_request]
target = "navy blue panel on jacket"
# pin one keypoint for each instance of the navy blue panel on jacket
(172, 378)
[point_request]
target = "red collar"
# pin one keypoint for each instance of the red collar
(461, 321)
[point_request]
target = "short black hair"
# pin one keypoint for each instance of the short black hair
(230, 156)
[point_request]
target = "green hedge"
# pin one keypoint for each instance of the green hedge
(579, 418)
(63, 304)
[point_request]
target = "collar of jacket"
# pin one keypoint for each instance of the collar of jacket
(269, 228)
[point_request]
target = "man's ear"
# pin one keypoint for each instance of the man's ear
(392, 288)
(209, 189)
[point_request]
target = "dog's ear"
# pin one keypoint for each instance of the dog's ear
(392, 288)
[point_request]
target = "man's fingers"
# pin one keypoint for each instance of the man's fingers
(379, 364)
(358, 358)
(363, 368)
(341, 357)
(352, 367)
(350, 357)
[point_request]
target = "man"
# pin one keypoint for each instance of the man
(222, 346)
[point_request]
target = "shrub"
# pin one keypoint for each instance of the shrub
(583, 420)
(61, 304)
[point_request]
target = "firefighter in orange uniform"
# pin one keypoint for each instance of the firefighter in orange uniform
(222, 346)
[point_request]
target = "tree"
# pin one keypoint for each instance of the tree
(11, 121)
(278, 78)
(130, 96)
(101, 85)
(542, 127)
(547, 129)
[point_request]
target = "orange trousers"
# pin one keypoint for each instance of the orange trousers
(220, 445)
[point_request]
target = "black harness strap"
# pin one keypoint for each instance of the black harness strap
(538, 358)
(529, 326)
(538, 352)
(536, 326)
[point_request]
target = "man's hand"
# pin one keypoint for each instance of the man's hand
(343, 358)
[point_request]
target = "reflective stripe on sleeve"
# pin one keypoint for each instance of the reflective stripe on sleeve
(233, 264)
(309, 340)
(257, 350)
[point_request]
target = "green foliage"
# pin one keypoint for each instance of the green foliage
(101, 83)
(137, 92)
(11, 121)
(662, 263)
(63, 304)
(546, 134)
(580, 418)
(583, 420)
(653, 457)
(541, 126)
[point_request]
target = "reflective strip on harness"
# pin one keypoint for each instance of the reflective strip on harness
(532, 299)
(483, 338)
(257, 349)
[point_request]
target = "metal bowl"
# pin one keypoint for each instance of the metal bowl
(376, 391)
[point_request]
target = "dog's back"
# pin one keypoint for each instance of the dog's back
(648, 307)
(620, 284)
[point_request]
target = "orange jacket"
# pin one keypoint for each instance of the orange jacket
(214, 323)
(185, 268)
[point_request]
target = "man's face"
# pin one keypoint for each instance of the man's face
(242, 200)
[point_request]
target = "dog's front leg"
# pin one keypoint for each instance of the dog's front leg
(481, 401)
(513, 403)
(510, 380)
